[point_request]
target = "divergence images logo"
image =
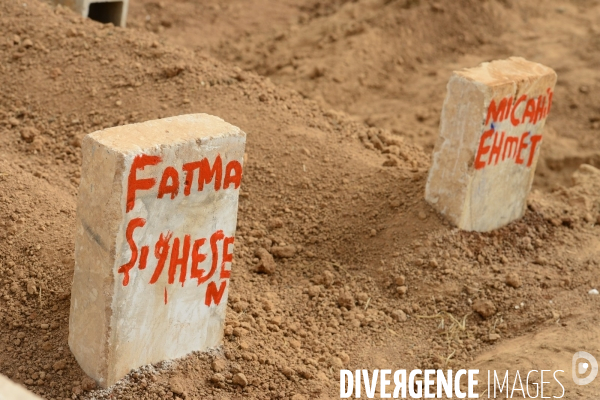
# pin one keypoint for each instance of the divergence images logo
(582, 363)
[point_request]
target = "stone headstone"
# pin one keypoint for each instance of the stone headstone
(11, 391)
(156, 218)
(489, 143)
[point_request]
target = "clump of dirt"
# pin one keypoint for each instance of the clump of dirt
(363, 274)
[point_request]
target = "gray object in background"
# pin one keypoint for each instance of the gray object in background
(105, 11)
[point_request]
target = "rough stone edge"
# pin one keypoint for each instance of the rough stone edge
(100, 375)
(456, 216)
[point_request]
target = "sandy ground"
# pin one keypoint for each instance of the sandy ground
(341, 103)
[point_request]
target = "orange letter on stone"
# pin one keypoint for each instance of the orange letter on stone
(483, 149)
(139, 162)
(213, 294)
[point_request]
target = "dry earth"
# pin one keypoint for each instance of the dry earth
(339, 136)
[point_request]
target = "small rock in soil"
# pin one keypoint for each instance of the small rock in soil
(283, 251)
(218, 365)
(287, 371)
(336, 363)
(267, 263)
(275, 223)
(176, 385)
(485, 308)
(346, 300)
(60, 364)
(88, 384)
(493, 337)
(399, 316)
(513, 280)
(216, 378)
(240, 380)
(28, 134)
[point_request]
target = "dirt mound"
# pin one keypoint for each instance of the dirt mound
(386, 62)
(357, 56)
(368, 49)
(546, 350)
(366, 275)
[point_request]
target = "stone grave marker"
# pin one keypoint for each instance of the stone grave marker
(156, 218)
(12, 391)
(489, 142)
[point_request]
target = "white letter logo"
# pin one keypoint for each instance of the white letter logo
(590, 364)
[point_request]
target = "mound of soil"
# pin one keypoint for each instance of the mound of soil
(386, 63)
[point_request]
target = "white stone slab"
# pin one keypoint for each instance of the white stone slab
(489, 143)
(156, 218)
(11, 391)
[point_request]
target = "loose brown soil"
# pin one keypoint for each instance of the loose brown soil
(339, 136)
